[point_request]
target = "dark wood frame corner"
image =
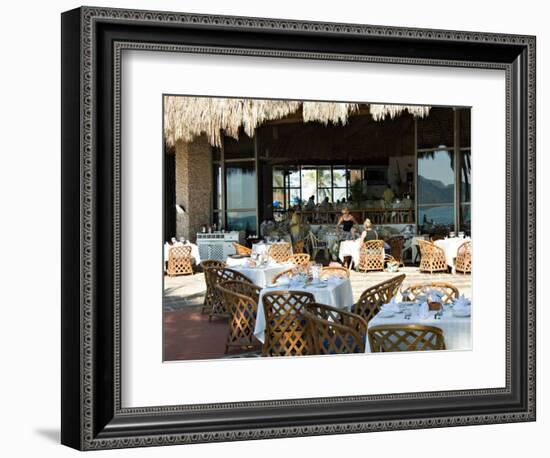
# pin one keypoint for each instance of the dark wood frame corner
(92, 42)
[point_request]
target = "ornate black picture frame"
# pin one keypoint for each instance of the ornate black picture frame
(92, 41)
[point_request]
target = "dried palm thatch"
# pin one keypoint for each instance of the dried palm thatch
(380, 112)
(188, 117)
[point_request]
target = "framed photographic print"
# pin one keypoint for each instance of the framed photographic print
(276, 228)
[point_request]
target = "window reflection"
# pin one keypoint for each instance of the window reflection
(436, 184)
(465, 190)
(241, 185)
(241, 221)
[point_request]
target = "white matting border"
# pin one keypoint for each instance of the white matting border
(147, 381)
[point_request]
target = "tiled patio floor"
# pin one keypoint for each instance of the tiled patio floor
(188, 334)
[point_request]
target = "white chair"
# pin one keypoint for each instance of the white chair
(316, 245)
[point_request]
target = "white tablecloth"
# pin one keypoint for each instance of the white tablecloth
(194, 250)
(261, 276)
(457, 331)
(337, 293)
(350, 248)
(235, 262)
(450, 246)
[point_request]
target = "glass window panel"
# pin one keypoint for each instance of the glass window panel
(278, 199)
(435, 189)
(294, 178)
(435, 215)
(240, 185)
(465, 218)
(217, 187)
(339, 194)
(295, 197)
(309, 183)
(242, 221)
(322, 193)
(435, 177)
(325, 177)
(278, 178)
(339, 177)
(465, 176)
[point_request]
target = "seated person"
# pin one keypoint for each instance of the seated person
(310, 205)
(346, 220)
(369, 233)
(325, 204)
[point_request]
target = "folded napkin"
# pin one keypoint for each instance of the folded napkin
(424, 311)
(391, 306)
(461, 303)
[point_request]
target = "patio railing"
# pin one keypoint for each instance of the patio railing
(376, 215)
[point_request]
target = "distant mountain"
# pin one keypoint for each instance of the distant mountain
(434, 191)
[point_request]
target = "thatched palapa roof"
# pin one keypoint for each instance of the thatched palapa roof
(188, 117)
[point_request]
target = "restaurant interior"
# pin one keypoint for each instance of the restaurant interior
(312, 228)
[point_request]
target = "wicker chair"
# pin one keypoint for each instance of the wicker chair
(449, 292)
(432, 258)
(241, 299)
(405, 337)
(215, 276)
(241, 249)
(279, 252)
(334, 271)
(179, 261)
(316, 245)
(208, 296)
(285, 333)
(371, 256)
(396, 248)
(373, 298)
(300, 259)
(334, 331)
(463, 261)
(298, 247)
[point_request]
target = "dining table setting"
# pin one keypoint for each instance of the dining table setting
(453, 318)
(261, 273)
(332, 290)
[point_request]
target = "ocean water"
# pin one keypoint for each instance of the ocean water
(438, 215)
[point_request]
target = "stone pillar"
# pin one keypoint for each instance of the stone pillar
(193, 186)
